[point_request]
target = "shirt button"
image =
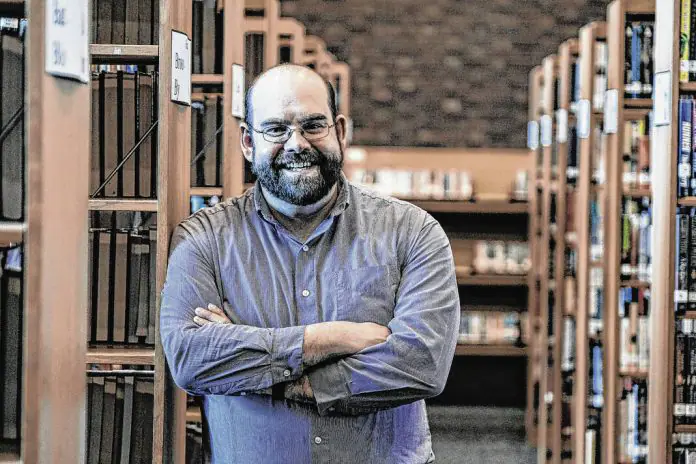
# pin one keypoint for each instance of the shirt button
(286, 373)
(305, 248)
(305, 292)
(317, 440)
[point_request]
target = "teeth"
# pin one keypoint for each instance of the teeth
(299, 165)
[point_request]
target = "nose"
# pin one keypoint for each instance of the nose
(296, 143)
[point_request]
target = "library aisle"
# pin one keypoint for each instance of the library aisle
(549, 146)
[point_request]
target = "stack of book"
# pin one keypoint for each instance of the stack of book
(686, 167)
(633, 422)
(500, 257)
(207, 37)
(636, 221)
(685, 261)
(207, 142)
(418, 185)
(120, 409)
(124, 108)
(636, 154)
(128, 22)
(491, 327)
(685, 373)
(12, 119)
(122, 263)
(687, 41)
(639, 43)
(11, 316)
(684, 448)
(634, 307)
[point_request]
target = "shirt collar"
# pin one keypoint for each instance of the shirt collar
(342, 202)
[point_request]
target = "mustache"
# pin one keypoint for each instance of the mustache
(306, 156)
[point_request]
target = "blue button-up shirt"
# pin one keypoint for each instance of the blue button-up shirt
(374, 259)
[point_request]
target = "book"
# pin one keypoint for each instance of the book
(12, 164)
(127, 424)
(685, 41)
(108, 422)
(681, 277)
(141, 439)
(685, 147)
(95, 409)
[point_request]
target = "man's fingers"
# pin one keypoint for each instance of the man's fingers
(215, 309)
(210, 316)
(200, 321)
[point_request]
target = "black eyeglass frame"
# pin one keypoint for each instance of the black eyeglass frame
(292, 130)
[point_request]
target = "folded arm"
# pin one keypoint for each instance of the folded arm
(228, 359)
(414, 361)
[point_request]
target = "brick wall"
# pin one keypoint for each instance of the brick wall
(449, 73)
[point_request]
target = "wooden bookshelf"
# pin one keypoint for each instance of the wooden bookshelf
(490, 350)
(121, 53)
(548, 95)
(206, 191)
(207, 79)
(471, 207)
(493, 280)
(55, 262)
(133, 356)
(590, 35)
(534, 233)
(664, 186)
(617, 14)
(101, 204)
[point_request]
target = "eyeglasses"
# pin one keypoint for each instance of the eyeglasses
(281, 133)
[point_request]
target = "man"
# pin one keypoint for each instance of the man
(312, 316)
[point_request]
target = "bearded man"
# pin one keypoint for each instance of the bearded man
(312, 316)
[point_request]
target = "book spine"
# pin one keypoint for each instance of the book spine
(646, 60)
(681, 279)
(684, 39)
(685, 147)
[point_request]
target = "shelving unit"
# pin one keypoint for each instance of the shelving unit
(618, 13)
(665, 148)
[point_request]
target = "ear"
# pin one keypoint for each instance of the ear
(246, 142)
(341, 129)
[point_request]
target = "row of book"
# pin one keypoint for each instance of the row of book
(636, 153)
(120, 408)
(424, 184)
(491, 327)
(501, 257)
(207, 142)
(568, 347)
(636, 236)
(634, 330)
(129, 22)
(685, 373)
(638, 62)
(11, 316)
(687, 41)
(685, 261)
(122, 264)
(124, 110)
(596, 301)
(12, 153)
(683, 448)
(633, 422)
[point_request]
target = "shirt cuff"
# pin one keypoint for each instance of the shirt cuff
(329, 386)
(286, 354)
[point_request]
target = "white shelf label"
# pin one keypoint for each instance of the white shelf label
(584, 113)
(181, 68)
(611, 111)
(562, 126)
(533, 135)
(546, 131)
(67, 45)
(238, 91)
(663, 98)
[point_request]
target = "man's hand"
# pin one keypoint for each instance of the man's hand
(327, 340)
(212, 315)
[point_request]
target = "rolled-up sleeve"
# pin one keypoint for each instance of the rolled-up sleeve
(415, 360)
(218, 359)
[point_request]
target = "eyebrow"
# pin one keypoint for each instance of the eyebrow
(308, 118)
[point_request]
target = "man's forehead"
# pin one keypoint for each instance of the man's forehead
(282, 93)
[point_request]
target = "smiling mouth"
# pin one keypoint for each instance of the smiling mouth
(297, 166)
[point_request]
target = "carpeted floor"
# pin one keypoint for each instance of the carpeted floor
(479, 435)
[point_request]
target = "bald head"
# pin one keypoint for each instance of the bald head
(280, 83)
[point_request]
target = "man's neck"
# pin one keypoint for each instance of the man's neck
(301, 221)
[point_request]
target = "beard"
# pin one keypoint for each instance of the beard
(300, 190)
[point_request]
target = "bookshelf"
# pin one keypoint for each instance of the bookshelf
(616, 113)
(665, 140)
(534, 278)
(592, 36)
(53, 302)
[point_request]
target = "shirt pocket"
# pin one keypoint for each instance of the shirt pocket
(365, 294)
